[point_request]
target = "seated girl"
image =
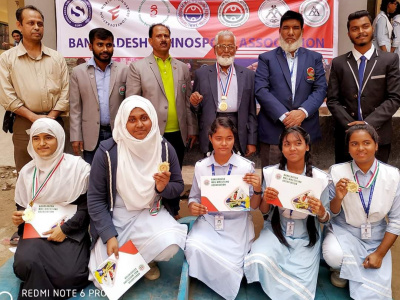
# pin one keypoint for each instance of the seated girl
(131, 174)
(364, 192)
(215, 252)
(58, 262)
(285, 258)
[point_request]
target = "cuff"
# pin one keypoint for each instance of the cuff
(304, 110)
(281, 118)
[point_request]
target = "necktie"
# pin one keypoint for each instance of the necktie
(361, 69)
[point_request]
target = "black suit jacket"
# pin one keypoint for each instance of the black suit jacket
(380, 96)
(205, 83)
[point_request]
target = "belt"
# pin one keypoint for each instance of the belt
(105, 128)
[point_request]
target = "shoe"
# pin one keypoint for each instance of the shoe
(154, 272)
(14, 239)
(336, 280)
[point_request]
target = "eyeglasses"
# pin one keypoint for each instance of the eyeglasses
(223, 47)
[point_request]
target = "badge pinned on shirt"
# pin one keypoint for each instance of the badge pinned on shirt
(310, 74)
(121, 90)
(183, 87)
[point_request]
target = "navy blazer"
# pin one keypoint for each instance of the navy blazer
(273, 91)
(205, 83)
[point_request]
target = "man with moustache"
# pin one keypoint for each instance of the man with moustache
(363, 87)
(226, 89)
(97, 88)
(166, 82)
(34, 81)
(290, 86)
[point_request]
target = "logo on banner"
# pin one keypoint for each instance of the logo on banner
(193, 13)
(77, 13)
(153, 11)
(115, 12)
(233, 13)
(315, 12)
(271, 12)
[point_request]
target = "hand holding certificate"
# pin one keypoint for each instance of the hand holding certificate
(296, 192)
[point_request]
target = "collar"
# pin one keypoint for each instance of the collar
(21, 50)
(92, 62)
(304, 170)
(357, 169)
(367, 54)
(288, 54)
(232, 160)
(226, 73)
(158, 58)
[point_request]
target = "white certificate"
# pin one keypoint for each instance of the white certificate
(225, 193)
(116, 276)
(294, 190)
(46, 217)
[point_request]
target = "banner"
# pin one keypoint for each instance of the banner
(193, 24)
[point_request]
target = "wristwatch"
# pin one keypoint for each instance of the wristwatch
(257, 193)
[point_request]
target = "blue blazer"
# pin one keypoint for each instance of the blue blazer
(273, 91)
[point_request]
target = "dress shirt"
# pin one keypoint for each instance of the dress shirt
(40, 84)
(232, 100)
(103, 90)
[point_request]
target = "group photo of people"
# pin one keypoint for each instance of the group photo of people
(104, 145)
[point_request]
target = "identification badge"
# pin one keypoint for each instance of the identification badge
(366, 231)
(290, 228)
(219, 222)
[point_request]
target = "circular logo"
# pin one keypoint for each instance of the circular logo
(278, 176)
(122, 89)
(77, 13)
(6, 293)
(153, 12)
(315, 12)
(193, 13)
(206, 182)
(233, 13)
(114, 12)
(271, 12)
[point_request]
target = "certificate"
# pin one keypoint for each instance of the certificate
(116, 276)
(294, 190)
(225, 193)
(46, 217)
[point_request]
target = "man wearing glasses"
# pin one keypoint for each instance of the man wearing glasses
(226, 89)
(290, 86)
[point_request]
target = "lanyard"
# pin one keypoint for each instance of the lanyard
(367, 207)
(229, 171)
(225, 90)
(371, 180)
(36, 191)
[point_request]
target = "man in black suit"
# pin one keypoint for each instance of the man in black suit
(226, 89)
(364, 87)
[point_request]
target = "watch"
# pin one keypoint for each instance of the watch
(257, 193)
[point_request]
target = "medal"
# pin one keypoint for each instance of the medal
(223, 106)
(352, 187)
(163, 167)
(28, 215)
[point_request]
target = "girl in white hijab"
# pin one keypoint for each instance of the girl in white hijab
(132, 174)
(52, 177)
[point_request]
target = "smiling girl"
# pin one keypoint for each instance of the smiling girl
(365, 192)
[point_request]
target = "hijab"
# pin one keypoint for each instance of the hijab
(69, 174)
(138, 160)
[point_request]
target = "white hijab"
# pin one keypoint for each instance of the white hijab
(67, 183)
(138, 160)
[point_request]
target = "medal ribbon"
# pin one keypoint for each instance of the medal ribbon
(229, 171)
(35, 183)
(371, 180)
(225, 90)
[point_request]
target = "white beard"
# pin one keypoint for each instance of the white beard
(289, 48)
(225, 61)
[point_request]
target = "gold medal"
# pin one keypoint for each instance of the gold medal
(223, 106)
(163, 167)
(28, 215)
(352, 187)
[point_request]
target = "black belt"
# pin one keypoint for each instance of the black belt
(105, 128)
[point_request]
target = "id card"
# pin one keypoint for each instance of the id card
(290, 228)
(219, 222)
(366, 231)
